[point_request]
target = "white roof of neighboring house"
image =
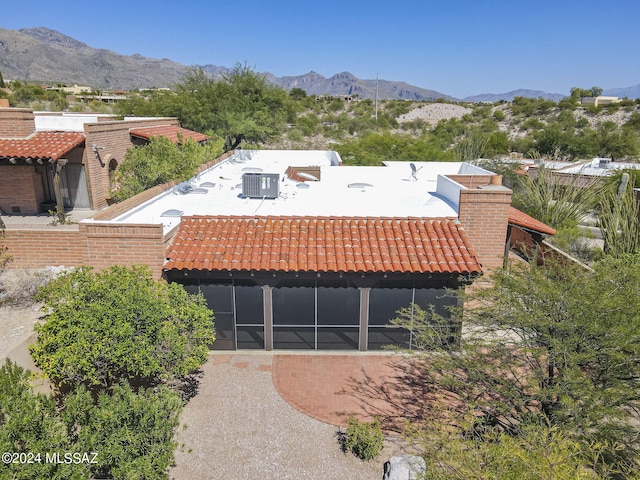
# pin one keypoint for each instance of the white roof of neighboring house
(73, 122)
(363, 191)
(600, 167)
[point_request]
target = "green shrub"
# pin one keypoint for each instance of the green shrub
(364, 439)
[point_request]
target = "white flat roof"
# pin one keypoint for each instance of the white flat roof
(387, 191)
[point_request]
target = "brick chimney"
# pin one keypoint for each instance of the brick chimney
(484, 213)
(16, 122)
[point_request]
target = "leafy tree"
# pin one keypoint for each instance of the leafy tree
(102, 327)
(375, 148)
(543, 346)
(161, 161)
(615, 143)
(2, 85)
(297, 93)
(243, 106)
(132, 433)
(537, 452)
(29, 424)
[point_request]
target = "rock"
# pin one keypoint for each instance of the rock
(405, 467)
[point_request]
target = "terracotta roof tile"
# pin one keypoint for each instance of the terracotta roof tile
(521, 219)
(44, 145)
(322, 244)
(169, 131)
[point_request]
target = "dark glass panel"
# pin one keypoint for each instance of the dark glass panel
(250, 337)
(193, 289)
(287, 338)
(384, 302)
(249, 305)
(437, 297)
(379, 337)
(218, 296)
(334, 338)
(293, 306)
(224, 332)
(338, 306)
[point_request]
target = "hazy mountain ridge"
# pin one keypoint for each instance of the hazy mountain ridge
(42, 54)
(509, 96)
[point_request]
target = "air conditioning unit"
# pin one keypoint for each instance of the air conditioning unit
(260, 185)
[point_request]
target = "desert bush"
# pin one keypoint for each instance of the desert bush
(364, 439)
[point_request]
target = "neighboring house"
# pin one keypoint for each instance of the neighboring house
(68, 158)
(585, 173)
(598, 101)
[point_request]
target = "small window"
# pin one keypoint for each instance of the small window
(113, 166)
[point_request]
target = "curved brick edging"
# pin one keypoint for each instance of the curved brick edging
(329, 388)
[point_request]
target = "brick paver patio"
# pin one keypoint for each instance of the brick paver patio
(331, 387)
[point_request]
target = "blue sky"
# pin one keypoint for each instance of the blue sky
(457, 47)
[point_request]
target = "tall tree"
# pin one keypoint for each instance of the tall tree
(544, 346)
(242, 106)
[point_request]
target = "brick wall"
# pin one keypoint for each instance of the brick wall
(40, 246)
(484, 213)
(21, 188)
(124, 244)
(97, 244)
(16, 122)
(114, 140)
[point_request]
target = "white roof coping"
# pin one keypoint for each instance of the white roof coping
(380, 191)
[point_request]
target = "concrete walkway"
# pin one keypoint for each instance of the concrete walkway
(239, 426)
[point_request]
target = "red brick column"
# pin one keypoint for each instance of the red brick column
(484, 213)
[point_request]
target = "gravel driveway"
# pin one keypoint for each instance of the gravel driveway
(238, 427)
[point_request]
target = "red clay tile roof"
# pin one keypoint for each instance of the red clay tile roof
(322, 244)
(521, 219)
(45, 145)
(169, 131)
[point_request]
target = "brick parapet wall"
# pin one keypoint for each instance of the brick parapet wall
(99, 245)
(38, 247)
(124, 244)
(113, 139)
(484, 213)
(16, 122)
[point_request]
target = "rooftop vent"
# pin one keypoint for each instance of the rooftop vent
(252, 169)
(198, 191)
(260, 185)
(172, 213)
(302, 186)
(207, 185)
(359, 185)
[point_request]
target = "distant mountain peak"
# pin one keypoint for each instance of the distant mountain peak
(53, 37)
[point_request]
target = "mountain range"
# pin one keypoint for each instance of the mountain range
(48, 56)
